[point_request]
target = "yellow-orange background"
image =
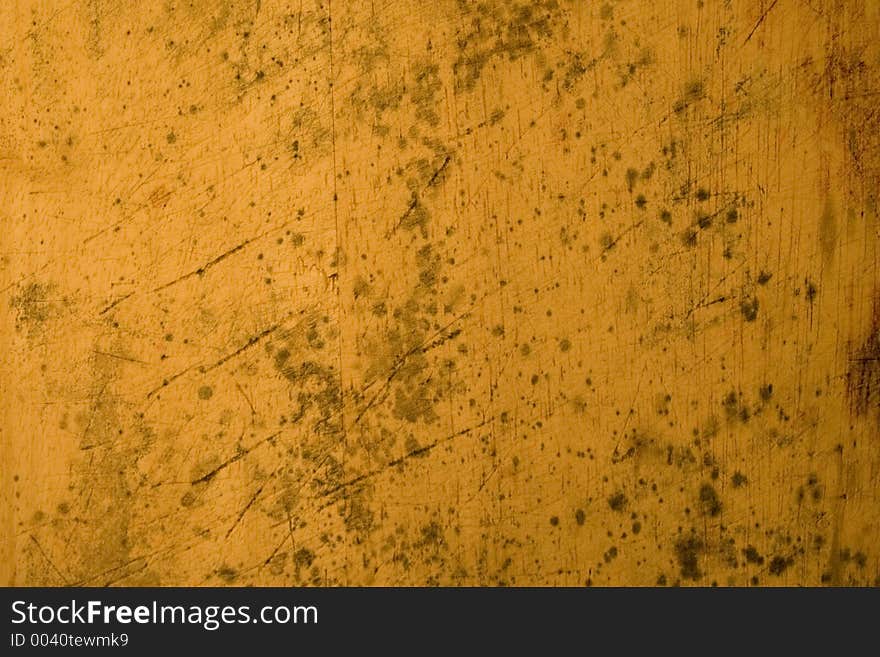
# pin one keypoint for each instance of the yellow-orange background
(457, 293)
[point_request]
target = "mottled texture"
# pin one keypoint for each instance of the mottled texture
(453, 293)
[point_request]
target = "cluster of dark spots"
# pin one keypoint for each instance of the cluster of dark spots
(749, 308)
(662, 404)
(752, 555)
(859, 558)
(618, 501)
(427, 85)
(738, 479)
(779, 564)
(765, 392)
(575, 68)
(432, 535)
(710, 503)
(610, 554)
(687, 553)
(314, 386)
(303, 558)
(693, 92)
(35, 304)
(499, 29)
(735, 408)
(813, 489)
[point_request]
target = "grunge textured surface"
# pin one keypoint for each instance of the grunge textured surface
(459, 293)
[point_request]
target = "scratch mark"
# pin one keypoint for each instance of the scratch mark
(240, 455)
(761, 20)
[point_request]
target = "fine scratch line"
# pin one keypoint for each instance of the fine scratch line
(240, 455)
(760, 20)
(211, 263)
(414, 202)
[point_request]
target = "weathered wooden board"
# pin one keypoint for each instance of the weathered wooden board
(457, 293)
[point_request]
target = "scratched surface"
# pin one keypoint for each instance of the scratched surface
(454, 293)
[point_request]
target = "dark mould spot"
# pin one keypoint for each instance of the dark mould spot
(303, 557)
(227, 573)
(580, 517)
(632, 175)
(554, 520)
(738, 479)
(764, 277)
(766, 392)
(811, 291)
(687, 552)
(710, 503)
(752, 555)
(778, 565)
(749, 309)
(206, 392)
(618, 501)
